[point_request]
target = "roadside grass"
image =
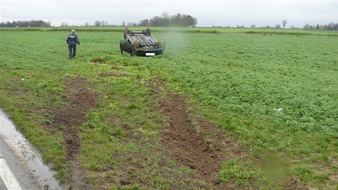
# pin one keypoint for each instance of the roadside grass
(275, 93)
(28, 110)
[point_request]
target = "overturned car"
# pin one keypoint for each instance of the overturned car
(141, 43)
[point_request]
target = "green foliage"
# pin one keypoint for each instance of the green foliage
(305, 173)
(275, 90)
(321, 178)
(238, 171)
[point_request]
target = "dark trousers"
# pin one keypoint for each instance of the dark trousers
(72, 50)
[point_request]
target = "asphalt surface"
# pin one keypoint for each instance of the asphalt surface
(2, 184)
(21, 176)
(21, 166)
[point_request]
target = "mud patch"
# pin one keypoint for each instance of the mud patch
(97, 60)
(68, 120)
(193, 141)
(293, 183)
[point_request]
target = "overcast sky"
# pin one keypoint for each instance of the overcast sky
(207, 12)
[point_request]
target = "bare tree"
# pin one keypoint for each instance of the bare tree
(284, 23)
(166, 20)
(97, 23)
(165, 15)
(144, 22)
(64, 24)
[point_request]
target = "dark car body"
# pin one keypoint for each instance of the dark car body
(141, 43)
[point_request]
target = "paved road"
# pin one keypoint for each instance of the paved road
(21, 167)
(2, 184)
(12, 170)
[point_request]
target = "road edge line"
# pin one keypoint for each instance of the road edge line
(8, 177)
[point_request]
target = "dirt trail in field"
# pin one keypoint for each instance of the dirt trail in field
(68, 120)
(293, 183)
(199, 144)
(195, 142)
(189, 139)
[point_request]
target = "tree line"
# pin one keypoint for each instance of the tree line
(32, 23)
(179, 20)
(330, 26)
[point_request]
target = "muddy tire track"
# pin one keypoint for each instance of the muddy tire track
(193, 141)
(69, 120)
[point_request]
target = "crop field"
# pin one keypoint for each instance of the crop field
(220, 109)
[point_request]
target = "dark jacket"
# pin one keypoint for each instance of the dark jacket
(73, 39)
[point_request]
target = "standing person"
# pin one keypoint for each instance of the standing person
(72, 40)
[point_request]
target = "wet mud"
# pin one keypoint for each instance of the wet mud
(69, 120)
(192, 140)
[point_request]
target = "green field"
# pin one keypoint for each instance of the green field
(274, 92)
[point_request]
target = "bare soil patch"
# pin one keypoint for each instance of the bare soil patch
(293, 183)
(97, 60)
(194, 141)
(68, 120)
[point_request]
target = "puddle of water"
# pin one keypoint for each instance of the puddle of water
(27, 154)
